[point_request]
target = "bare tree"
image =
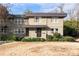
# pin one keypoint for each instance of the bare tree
(3, 11)
(27, 11)
(3, 17)
(59, 9)
(77, 17)
(61, 6)
(70, 13)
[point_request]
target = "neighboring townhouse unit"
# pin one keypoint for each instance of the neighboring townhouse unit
(35, 24)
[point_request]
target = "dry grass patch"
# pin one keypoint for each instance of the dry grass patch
(39, 48)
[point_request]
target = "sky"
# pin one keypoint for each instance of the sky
(20, 8)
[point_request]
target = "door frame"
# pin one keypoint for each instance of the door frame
(27, 31)
(38, 32)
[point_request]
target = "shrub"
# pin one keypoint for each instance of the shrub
(8, 38)
(57, 35)
(49, 37)
(35, 39)
(32, 39)
(25, 39)
(68, 38)
(61, 39)
(3, 37)
(42, 39)
(11, 38)
(55, 39)
(19, 38)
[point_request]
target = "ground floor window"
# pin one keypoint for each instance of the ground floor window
(19, 31)
(53, 30)
(56, 29)
(4, 29)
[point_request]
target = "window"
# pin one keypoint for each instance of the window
(19, 31)
(54, 20)
(15, 21)
(25, 20)
(2, 21)
(11, 20)
(56, 29)
(19, 21)
(4, 29)
(52, 30)
(36, 19)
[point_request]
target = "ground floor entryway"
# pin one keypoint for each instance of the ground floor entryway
(35, 32)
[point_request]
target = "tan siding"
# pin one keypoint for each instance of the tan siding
(45, 21)
(32, 33)
(40, 22)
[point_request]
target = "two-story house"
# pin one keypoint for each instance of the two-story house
(36, 24)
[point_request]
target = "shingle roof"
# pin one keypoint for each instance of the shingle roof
(62, 15)
(32, 26)
(36, 26)
(47, 14)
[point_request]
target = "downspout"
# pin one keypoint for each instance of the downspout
(46, 28)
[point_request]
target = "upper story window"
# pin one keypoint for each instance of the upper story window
(2, 21)
(11, 20)
(36, 19)
(19, 21)
(26, 19)
(54, 20)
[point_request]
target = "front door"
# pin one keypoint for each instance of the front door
(27, 31)
(38, 32)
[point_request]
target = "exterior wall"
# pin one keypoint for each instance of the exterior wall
(41, 21)
(44, 21)
(52, 24)
(43, 34)
(32, 33)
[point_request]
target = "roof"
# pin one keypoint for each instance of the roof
(36, 26)
(33, 26)
(60, 15)
(46, 14)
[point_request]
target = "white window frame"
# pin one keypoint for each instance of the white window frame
(19, 21)
(19, 31)
(37, 19)
(56, 30)
(52, 30)
(54, 20)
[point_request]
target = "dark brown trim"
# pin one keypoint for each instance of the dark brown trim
(27, 31)
(38, 31)
(59, 15)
